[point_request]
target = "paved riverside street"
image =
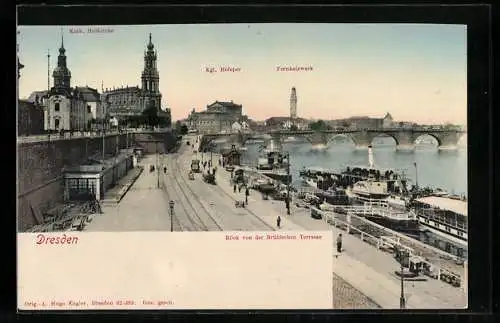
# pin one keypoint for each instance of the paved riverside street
(360, 264)
(201, 206)
(429, 294)
(143, 208)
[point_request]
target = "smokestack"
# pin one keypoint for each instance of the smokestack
(370, 156)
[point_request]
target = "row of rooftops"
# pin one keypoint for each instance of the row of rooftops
(83, 92)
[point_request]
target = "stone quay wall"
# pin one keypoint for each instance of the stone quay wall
(40, 164)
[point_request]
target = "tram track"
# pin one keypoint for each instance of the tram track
(247, 210)
(202, 224)
(175, 218)
(207, 212)
(184, 217)
(223, 193)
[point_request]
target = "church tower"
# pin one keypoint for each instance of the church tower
(62, 75)
(150, 79)
(293, 104)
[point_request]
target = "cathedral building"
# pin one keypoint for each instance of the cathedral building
(65, 107)
(133, 100)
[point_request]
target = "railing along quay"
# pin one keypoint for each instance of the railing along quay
(84, 134)
(446, 267)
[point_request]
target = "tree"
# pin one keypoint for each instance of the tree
(151, 114)
(294, 128)
(319, 125)
(181, 128)
(345, 124)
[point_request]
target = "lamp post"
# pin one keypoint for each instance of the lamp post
(211, 147)
(157, 166)
(171, 204)
(103, 139)
(416, 175)
(288, 183)
(402, 300)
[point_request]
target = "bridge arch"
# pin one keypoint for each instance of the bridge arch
(436, 138)
(341, 135)
(385, 135)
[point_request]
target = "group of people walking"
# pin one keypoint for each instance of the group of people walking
(238, 188)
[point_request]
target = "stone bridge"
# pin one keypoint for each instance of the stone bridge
(404, 138)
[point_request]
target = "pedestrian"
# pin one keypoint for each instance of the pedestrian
(247, 192)
(234, 188)
(339, 243)
(278, 222)
(239, 189)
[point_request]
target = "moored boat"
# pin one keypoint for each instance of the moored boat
(445, 221)
(273, 163)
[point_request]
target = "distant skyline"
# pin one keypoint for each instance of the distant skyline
(416, 72)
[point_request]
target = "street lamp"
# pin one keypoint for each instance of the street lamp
(416, 175)
(402, 300)
(211, 147)
(402, 258)
(171, 204)
(157, 166)
(288, 183)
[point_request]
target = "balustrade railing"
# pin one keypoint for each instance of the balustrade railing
(446, 267)
(85, 134)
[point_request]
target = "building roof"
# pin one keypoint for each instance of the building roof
(122, 90)
(32, 97)
(62, 91)
(226, 104)
(446, 203)
(27, 104)
(88, 94)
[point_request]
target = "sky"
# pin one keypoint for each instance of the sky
(416, 72)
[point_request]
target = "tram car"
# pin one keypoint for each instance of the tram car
(195, 166)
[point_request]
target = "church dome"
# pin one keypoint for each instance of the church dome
(59, 70)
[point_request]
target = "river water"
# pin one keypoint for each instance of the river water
(445, 169)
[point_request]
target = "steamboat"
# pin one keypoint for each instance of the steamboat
(273, 163)
(380, 195)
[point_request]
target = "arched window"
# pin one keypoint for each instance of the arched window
(56, 107)
(56, 122)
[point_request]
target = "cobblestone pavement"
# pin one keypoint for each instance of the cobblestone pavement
(345, 296)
